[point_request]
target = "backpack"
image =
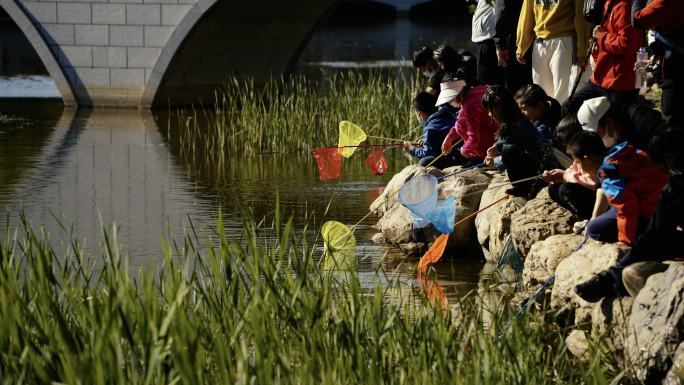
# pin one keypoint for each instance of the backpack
(593, 11)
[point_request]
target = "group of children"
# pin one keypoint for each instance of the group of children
(594, 161)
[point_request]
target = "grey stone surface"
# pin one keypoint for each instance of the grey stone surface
(126, 35)
(74, 56)
(143, 57)
(59, 34)
(143, 14)
(42, 12)
(92, 35)
(92, 76)
(76, 13)
(110, 14)
(127, 77)
(157, 36)
(172, 14)
(161, 1)
(112, 57)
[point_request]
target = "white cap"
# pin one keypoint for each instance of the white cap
(448, 91)
(591, 112)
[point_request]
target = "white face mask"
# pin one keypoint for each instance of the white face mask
(610, 141)
(429, 74)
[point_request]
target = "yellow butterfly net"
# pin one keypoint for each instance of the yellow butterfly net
(350, 135)
(339, 239)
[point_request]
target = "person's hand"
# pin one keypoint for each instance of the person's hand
(553, 176)
(464, 154)
(598, 31)
(521, 58)
(492, 152)
(446, 145)
(421, 141)
(595, 50)
(503, 57)
(408, 147)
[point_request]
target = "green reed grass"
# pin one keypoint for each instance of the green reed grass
(299, 114)
(252, 308)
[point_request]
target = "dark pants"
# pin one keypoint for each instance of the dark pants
(604, 228)
(520, 166)
(661, 241)
(673, 99)
(488, 70)
(590, 90)
(517, 75)
(576, 198)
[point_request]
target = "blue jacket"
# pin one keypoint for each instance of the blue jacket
(523, 133)
(547, 123)
(435, 130)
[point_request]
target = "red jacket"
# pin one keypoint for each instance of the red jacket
(632, 184)
(474, 125)
(617, 47)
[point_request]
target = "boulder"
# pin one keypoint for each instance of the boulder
(394, 185)
(676, 372)
(493, 224)
(609, 319)
(537, 220)
(544, 257)
(590, 259)
(655, 325)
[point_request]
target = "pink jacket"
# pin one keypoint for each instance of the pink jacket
(474, 125)
(574, 174)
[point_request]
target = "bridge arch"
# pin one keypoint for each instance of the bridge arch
(42, 49)
(220, 38)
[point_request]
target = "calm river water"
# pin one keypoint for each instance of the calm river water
(97, 167)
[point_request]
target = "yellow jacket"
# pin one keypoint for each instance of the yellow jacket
(549, 19)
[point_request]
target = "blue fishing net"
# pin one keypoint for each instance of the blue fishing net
(442, 215)
(419, 195)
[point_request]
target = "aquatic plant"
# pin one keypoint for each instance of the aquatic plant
(254, 307)
(298, 114)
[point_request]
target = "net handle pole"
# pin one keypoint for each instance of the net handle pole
(383, 138)
(460, 171)
(502, 184)
(481, 210)
(372, 145)
(396, 192)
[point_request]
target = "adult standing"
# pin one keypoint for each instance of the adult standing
(506, 16)
(488, 70)
(554, 29)
(614, 54)
(667, 18)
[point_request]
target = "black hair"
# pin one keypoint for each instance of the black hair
(462, 74)
(531, 95)
(586, 143)
(448, 56)
(425, 102)
(422, 56)
(668, 139)
(465, 52)
(567, 128)
(616, 113)
(499, 96)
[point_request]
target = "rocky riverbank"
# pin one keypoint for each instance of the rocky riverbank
(645, 333)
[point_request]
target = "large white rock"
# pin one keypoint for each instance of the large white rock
(655, 325)
(609, 319)
(544, 257)
(537, 220)
(592, 258)
(493, 225)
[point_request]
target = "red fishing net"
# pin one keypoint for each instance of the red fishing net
(329, 162)
(377, 162)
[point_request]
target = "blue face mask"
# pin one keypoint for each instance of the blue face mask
(423, 122)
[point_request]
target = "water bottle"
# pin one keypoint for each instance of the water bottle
(642, 63)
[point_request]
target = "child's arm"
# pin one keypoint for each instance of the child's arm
(600, 205)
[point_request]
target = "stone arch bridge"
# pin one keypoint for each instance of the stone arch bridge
(146, 53)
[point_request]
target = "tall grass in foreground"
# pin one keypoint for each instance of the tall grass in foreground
(252, 309)
(299, 114)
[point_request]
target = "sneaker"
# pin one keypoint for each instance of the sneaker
(601, 285)
(516, 192)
